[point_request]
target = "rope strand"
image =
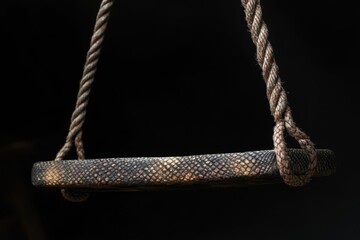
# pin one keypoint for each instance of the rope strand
(78, 116)
(277, 98)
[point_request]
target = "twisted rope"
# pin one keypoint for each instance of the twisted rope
(275, 93)
(78, 116)
(277, 98)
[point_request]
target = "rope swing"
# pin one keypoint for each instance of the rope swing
(295, 166)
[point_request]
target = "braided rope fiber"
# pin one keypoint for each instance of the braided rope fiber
(78, 116)
(277, 98)
(275, 94)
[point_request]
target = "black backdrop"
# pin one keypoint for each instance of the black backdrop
(177, 77)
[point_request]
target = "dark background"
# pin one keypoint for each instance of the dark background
(177, 77)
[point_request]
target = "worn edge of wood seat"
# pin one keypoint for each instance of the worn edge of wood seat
(151, 173)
